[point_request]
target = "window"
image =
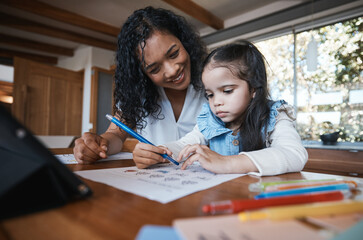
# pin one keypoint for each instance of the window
(330, 98)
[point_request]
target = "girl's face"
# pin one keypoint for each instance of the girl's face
(167, 63)
(228, 95)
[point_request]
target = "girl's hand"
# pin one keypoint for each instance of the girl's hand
(207, 158)
(90, 148)
(146, 155)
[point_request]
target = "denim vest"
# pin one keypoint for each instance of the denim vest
(220, 138)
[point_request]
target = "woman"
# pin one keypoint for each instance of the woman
(157, 88)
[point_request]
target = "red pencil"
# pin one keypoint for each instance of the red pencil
(235, 206)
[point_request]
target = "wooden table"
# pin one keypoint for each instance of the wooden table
(114, 214)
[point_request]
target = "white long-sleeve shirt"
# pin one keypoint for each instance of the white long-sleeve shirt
(284, 151)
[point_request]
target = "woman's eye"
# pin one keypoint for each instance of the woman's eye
(174, 54)
(154, 71)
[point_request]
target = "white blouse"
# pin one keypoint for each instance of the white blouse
(166, 129)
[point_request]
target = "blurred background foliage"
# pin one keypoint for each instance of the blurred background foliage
(331, 97)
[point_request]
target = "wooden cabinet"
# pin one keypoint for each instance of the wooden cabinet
(340, 162)
(47, 99)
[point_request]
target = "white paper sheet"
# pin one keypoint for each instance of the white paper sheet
(70, 159)
(163, 182)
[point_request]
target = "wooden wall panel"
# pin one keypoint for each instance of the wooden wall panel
(73, 114)
(47, 99)
(36, 105)
(57, 106)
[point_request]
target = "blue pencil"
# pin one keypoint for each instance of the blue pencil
(290, 192)
(136, 135)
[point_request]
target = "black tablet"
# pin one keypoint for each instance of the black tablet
(31, 177)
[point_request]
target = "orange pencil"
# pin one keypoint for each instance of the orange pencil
(307, 184)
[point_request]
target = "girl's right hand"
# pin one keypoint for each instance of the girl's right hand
(146, 155)
(90, 148)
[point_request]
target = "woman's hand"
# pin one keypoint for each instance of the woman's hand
(89, 148)
(146, 155)
(207, 158)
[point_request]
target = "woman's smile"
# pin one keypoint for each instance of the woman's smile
(179, 79)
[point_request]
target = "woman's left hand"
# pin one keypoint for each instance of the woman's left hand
(207, 158)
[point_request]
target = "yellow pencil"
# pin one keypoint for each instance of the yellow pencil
(303, 210)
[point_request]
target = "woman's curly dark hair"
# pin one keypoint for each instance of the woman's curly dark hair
(135, 94)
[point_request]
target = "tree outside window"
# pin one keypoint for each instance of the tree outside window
(329, 99)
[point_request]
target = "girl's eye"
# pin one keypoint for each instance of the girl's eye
(174, 54)
(228, 91)
(208, 95)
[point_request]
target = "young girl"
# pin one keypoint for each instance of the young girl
(245, 131)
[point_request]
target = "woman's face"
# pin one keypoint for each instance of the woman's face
(167, 63)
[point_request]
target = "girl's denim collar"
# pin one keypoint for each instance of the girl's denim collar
(211, 126)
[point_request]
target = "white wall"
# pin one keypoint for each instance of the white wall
(6, 73)
(85, 58)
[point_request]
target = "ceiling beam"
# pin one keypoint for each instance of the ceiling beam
(30, 26)
(300, 11)
(197, 12)
(10, 54)
(44, 47)
(46, 10)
